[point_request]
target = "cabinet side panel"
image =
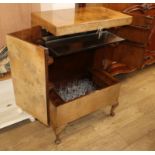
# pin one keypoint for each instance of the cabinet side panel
(29, 77)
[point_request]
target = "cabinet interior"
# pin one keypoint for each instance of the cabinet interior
(77, 65)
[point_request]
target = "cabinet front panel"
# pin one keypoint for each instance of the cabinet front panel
(87, 104)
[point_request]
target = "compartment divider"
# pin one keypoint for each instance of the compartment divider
(103, 76)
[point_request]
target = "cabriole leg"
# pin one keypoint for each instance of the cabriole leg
(57, 132)
(57, 140)
(112, 111)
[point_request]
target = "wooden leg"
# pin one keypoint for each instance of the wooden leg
(57, 132)
(112, 111)
(57, 140)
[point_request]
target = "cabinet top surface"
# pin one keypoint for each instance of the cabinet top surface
(69, 21)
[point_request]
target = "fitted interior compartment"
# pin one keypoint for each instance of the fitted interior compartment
(75, 68)
(70, 44)
(74, 76)
(71, 89)
(42, 74)
(83, 41)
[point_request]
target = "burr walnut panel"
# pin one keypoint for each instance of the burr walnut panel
(28, 63)
(69, 21)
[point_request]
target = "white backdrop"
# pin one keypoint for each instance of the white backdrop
(56, 6)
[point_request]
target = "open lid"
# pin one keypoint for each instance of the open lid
(70, 21)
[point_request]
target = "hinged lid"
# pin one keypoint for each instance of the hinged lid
(69, 21)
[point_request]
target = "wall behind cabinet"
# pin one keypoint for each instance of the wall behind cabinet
(14, 17)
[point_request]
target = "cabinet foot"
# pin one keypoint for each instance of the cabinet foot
(57, 132)
(112, 111)
(57, 140)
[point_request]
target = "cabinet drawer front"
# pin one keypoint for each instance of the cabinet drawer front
(75, 109)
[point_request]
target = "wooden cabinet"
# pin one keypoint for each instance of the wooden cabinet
(45, 65)
(138, 49)
(113, 6)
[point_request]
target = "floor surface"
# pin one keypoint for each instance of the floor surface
(133, 127)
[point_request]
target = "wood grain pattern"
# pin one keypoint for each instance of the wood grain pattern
(69, 21)
(28, 63)
(65, 112)
(114, 6)
(87, 104)
(32, 59)
(139, 33)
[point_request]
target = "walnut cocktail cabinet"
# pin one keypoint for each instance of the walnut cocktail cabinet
(56, 68)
